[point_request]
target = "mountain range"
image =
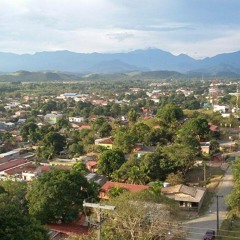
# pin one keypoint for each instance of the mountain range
(138, 60)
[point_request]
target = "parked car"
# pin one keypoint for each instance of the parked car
(209, 235)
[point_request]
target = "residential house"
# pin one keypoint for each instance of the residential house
(10, 165)
(105, 142)
(214, 129)
(105, 189)
(205, 147)
(221, 108)
(25, 172)
(52, 118)
(94, 177)
(76, 119)
(4, 157)
(67, 231)
(189, 198)
(92, 166)
(141, 150)
(21, 113)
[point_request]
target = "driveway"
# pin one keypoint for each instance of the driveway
(196, 228)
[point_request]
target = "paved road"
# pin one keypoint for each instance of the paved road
(197, 227)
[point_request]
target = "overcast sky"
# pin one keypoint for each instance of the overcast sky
(199, 28)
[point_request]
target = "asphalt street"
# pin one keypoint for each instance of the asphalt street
(196, 228)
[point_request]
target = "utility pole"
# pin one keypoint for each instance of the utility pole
(218, 196)
(99, 207)
(204, 173)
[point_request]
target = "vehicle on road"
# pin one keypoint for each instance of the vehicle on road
(209, 235)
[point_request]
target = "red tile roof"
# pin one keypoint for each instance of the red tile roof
(214, 128)
(69, 229)
(12, 163)
(91, 163)
(108, 140)
(26, 167)
(131, 187)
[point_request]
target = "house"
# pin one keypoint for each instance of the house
(141, 150)
(9, 155)
(25, 172)
(105, 142)
(190, 198)
(52, 118)
(94, 177)
(205, 147)
(21, 113)
(221, 108)
(214, 129)
(216, 157)
(66, 230)
(92, 166)
(104, 191)
(11, 165)
(76, 119)
(68, 95)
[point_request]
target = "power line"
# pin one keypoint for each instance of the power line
(98, 206)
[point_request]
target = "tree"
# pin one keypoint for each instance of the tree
(52, 144)
(175, 157)
(132, 115)
(109, 161)
(134, 218)
(123, 140)
(76, 148)
(27, 129)
(151, 162)
(198, 127)
(137, 175)
(170, 113)
(175, 178)
(105, 130)
(116, 191)
(233, 199)
(102, 127)
(58, 195)
(139, 131)
(17, 225)
(15, 221)
(80, 167)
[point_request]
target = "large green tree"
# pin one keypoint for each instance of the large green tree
(170, 113)
(52, 144)
(58, 195)
(15, 221)
(109, 161)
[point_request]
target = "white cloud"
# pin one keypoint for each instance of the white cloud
(28, 26)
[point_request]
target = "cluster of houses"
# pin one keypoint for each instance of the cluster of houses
(18, 164)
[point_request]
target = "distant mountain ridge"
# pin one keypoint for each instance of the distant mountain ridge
(138, 60)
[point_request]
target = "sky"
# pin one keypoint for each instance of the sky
(198, 28)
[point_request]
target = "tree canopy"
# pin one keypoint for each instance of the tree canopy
(15, 221)
(109, 161)
(58, 195)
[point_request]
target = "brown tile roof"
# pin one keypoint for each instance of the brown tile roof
(70, 229)
(131, 187)
(182, 192)
(26, 167)
(108, 140)
(91, 163)
(12, 163)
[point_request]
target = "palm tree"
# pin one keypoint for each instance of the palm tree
(137, 175)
